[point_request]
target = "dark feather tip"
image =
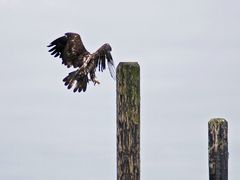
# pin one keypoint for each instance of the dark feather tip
(75, 90)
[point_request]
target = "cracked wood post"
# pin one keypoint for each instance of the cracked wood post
(218, 149)
(128, 121)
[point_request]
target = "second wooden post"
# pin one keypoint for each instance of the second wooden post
(218, 149)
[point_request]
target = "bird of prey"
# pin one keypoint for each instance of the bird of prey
(73, 54)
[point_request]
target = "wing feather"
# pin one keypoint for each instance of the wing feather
(104, 55)
(58, 46)
(69, 48)
(111, 66)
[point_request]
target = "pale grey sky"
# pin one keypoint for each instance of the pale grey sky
(189, 55)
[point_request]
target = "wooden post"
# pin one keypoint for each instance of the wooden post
(128, 121)
(218, 149)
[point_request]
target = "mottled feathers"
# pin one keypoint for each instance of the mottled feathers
(73, 54)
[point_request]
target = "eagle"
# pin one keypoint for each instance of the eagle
(71, 50)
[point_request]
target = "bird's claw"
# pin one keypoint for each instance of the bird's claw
(95, 82)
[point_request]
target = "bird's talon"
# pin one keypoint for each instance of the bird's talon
(95, 82)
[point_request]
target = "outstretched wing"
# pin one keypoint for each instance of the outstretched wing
(69, 48)
(103, 55)
(58, 46)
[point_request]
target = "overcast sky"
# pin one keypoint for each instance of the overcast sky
(189, 54)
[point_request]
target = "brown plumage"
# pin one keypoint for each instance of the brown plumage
(73, 54)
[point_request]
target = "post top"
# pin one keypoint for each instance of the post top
(128, 64)
(217, 120)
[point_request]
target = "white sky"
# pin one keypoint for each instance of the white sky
(189, 54)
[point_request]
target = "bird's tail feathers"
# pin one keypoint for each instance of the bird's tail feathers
(76, 80)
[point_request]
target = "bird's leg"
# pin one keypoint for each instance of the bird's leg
(93, 78)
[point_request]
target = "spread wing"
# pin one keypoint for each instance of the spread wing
(70, 49)
(103, 55)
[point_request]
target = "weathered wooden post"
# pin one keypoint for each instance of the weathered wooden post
(128, 121)
(218, 149)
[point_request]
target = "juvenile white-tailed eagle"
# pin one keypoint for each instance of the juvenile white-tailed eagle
(73, 54)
